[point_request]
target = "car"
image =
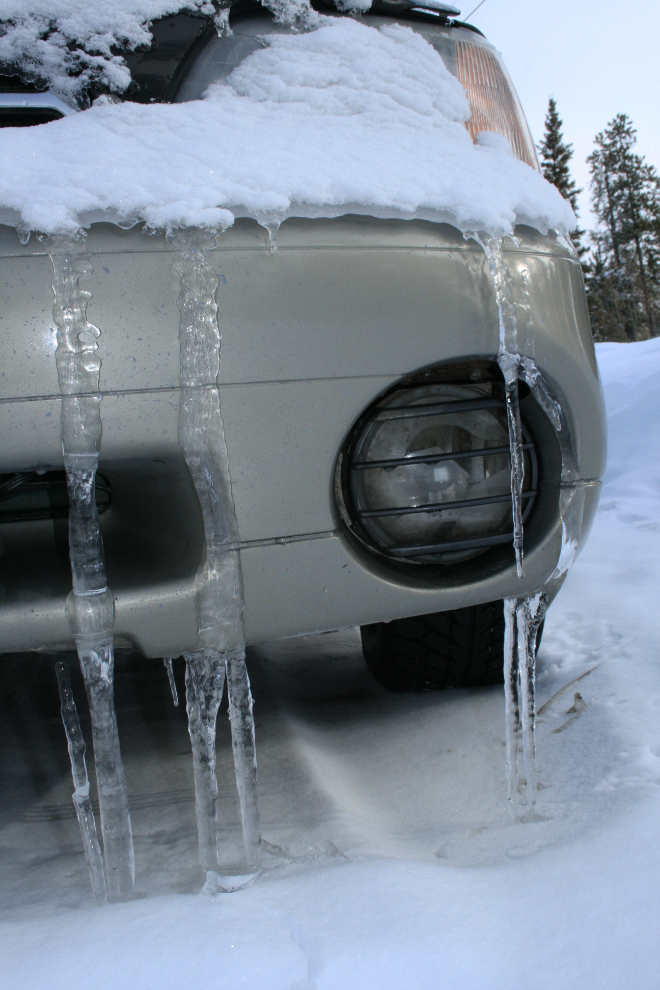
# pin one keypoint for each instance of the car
(363, 404)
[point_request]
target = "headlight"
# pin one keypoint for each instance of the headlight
(426, 473)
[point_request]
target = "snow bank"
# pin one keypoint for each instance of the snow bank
(441, 890)
(345, 118)
(67, 43)
(631, 378)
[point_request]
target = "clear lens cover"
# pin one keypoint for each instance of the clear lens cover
(493, 100)
(437, 479)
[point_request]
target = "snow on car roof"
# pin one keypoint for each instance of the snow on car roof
(342, 118)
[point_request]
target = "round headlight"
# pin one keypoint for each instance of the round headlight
(427, 475)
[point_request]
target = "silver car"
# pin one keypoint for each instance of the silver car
(362, 401)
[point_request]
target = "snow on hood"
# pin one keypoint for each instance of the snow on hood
(344, 118)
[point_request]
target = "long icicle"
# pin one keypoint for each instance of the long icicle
(522, 619)
(219, 584)
(529, 615)
(81, 800)
(90, 606)
(523, 616)
(509, 360)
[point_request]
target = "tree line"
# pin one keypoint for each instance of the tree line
(621, 257)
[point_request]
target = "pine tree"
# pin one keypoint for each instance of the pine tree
(555, 158)
(624, 285)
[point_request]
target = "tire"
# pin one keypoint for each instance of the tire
(463, 648)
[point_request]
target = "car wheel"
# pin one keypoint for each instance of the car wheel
(463, 648)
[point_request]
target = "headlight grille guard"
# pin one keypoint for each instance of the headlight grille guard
(409, 552)
(358, 516)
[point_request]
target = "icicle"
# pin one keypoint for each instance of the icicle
(273, 229)
(509, 360)
(219, 585)
(522, 617)
(81, 801)
(90, 606)
(512, 714)
(571, 496)
(245, 756)
(170, 676)
(205, 680)
(510, 372)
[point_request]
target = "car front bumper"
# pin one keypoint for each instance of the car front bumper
(311, 336)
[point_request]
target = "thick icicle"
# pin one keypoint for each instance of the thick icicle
(81, 800)
(523, 617)
(219, 585)
(205, 680)
(509, 360)
(90, 606)
(170, 676)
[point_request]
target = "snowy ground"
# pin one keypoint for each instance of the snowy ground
(407, 871)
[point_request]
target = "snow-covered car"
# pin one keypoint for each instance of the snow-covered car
(363, 404)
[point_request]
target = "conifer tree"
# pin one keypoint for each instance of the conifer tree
(555, 158)
(624, 285)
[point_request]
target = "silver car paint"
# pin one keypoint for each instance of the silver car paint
(311, 335)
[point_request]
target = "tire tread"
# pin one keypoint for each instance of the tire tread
(461, 648)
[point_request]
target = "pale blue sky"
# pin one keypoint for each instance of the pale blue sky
(596, 58)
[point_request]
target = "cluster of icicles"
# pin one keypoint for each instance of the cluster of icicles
(221, 643)
(219, 592)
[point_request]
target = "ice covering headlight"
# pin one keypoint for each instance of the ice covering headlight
(426, 476)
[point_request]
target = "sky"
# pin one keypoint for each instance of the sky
(597, 58)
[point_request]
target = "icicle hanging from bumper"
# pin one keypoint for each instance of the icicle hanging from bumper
(522, 618)
(81, 801)
(90, 606)
(508, 359)
(219, 585)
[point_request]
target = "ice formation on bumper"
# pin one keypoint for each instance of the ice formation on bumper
(90, 606)
(524, 616)
(219, 584)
